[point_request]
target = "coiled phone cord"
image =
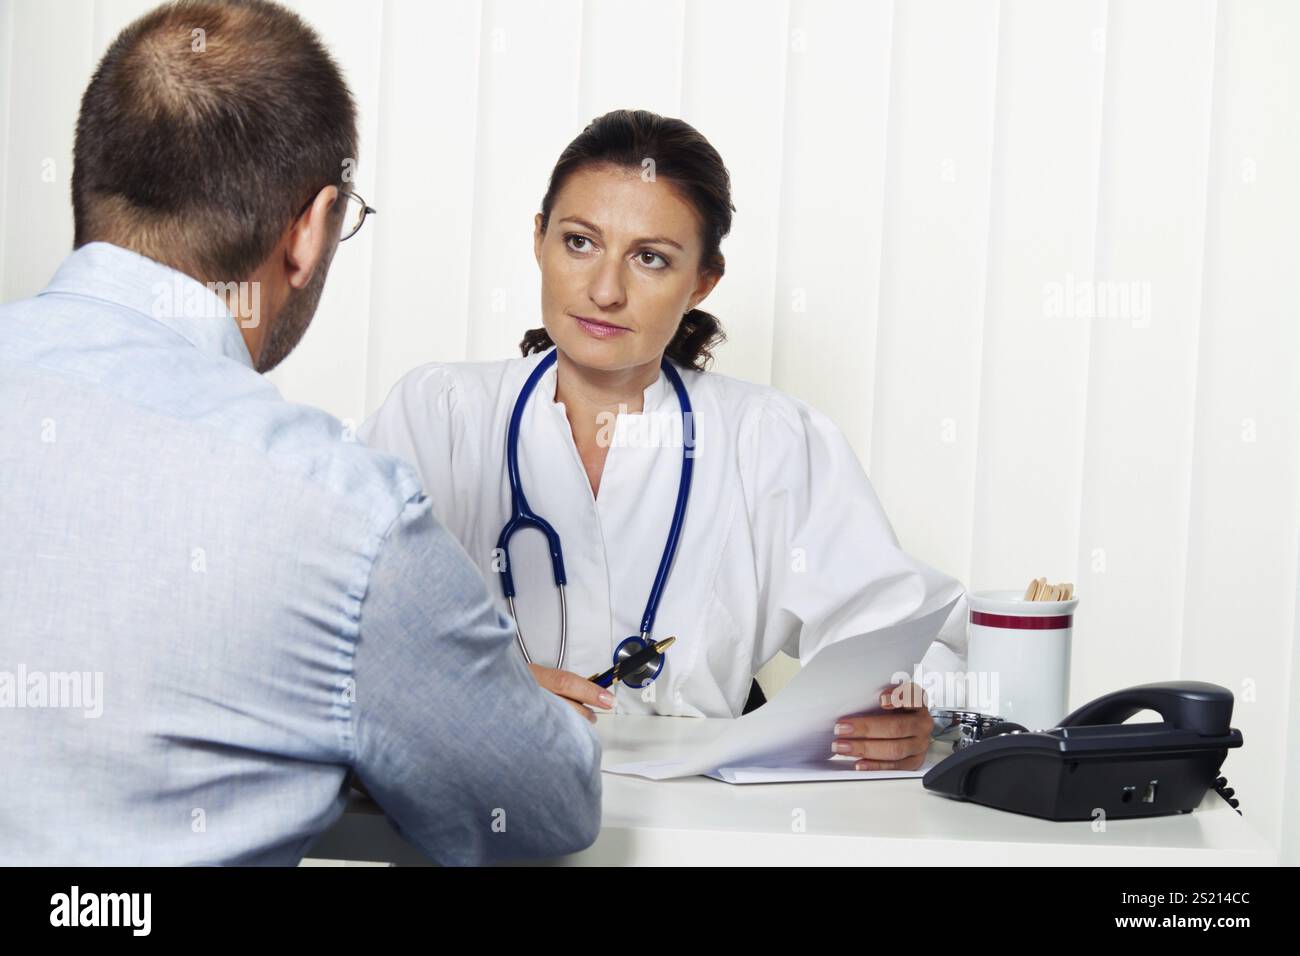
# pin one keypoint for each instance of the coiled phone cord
(1222, 789)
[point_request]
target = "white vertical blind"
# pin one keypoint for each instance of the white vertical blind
(830, 238)
(1239, 567)
(1032, 366)
(936, 224)
(1039, 261)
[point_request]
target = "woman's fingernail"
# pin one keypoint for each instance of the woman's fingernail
(843, 730)
(884, 700)
(840, 747)
(607, 699)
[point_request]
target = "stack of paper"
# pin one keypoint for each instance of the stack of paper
(789, 738)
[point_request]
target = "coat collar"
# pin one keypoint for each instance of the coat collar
(653, 398)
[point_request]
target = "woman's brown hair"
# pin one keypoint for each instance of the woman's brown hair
(680, 155)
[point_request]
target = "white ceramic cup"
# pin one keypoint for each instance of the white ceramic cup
(1020, 652)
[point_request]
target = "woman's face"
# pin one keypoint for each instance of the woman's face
(620, 264)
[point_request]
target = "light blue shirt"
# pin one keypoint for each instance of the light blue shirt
(212, 605)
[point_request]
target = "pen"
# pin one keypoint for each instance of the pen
(637, 660)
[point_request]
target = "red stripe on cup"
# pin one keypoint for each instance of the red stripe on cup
(1022, 623)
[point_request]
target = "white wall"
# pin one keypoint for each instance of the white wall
(913, 179)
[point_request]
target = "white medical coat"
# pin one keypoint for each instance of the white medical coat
(784, 547)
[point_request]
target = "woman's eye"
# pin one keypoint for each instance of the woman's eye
(651, 260)
(577, 243)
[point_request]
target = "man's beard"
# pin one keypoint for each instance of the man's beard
(291, 324)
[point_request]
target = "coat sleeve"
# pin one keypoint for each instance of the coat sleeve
(416, 423)
(827, 562)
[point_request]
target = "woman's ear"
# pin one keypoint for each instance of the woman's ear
(708, 279)
(538, 236)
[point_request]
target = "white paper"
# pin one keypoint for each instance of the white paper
(792, 733)
(821, 771)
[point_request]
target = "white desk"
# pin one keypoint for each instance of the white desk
(701, 821)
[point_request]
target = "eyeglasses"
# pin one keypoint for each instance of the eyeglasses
(353, 215)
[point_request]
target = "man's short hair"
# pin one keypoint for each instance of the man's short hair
(204, 131)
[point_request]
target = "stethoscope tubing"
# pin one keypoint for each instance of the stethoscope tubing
(522, 516)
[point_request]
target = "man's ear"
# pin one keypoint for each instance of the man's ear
(538, 236)
(309, 238)
(708, 279)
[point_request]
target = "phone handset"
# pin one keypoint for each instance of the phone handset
(1202, 708)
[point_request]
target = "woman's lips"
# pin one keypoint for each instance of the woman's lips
(598, 329)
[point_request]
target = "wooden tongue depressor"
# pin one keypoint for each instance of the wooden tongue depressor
(1040, 590)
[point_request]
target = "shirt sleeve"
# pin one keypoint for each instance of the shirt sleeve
(826, 558)
(467, 755)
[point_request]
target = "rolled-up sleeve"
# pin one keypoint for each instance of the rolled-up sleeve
(458, 744)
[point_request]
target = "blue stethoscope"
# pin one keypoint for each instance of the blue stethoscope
(523, 516)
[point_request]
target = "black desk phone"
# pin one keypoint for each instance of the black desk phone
(1094, 761)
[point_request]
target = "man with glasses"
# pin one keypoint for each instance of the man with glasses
(214, 607)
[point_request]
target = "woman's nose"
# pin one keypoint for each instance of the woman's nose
(607, 289)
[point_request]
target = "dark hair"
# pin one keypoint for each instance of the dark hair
(204, 129)
(681, 156)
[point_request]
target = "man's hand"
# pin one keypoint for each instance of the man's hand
(576, 691)
(894, 740)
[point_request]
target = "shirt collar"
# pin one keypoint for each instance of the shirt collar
(100, 270)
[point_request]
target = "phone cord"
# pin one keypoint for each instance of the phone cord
(1222, 789)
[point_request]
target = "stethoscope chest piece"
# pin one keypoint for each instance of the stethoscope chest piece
(646, 674)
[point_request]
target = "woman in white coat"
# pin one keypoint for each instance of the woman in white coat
(783, 546)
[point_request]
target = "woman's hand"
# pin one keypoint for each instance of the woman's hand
(894, 740)
(575, 691)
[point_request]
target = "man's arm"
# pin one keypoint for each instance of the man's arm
(454, 739)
